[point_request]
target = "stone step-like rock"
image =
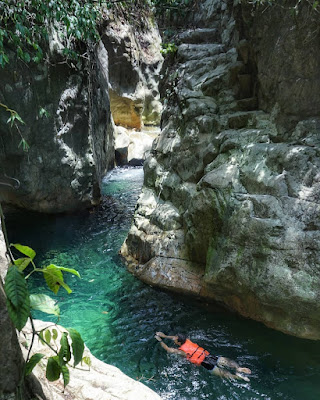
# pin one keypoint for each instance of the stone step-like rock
(188, 52)
(198, 36)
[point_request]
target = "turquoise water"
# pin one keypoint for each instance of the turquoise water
(117, 315)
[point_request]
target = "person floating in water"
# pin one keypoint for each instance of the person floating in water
(199, 356)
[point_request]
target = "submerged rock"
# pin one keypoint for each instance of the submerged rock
(99, 382)
(231, 191)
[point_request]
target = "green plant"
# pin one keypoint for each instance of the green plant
(168, 48)
(171, 7)
(20, 303)
(12, 120)
(27, 24)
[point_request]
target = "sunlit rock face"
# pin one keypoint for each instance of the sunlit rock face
(133, 44)
(70, 142)
(232, 187)
(131, 146)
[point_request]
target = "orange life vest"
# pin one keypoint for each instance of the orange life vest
(195, 353)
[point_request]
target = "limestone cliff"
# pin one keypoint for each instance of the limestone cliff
(67, 126)
(133, 42)
(230, 205)
(69, 112)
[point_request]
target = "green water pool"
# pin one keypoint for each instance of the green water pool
(117, 315)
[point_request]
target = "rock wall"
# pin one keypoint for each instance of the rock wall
(67, 114)
(230, 205)
(68, 127)
(11, 360)
(133, 43)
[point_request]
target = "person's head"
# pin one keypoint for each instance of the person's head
(180, 339)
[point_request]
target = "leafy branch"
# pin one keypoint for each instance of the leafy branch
(14, 116)
(26, 25)
(20, 303)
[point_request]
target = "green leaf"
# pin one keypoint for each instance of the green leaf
(47, 336)
(44, 303)
(86, 360)
(70, 270)
(33, 362)
(26, 57)
(17, 297)
(10, 120)
(65, 374)
(41, 338)
(54, 279)
(22, 263)
(43, 113)
(54, 334)
(64, 352)
(24, 144)
(17, 116)
(77, 346)
(53, 370)
(27, 251)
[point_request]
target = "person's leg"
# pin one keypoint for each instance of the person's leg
(227, 363)
(227, 375)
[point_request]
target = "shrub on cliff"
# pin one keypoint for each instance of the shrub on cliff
(27, 24)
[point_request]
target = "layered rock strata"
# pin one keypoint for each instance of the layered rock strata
(230, 207)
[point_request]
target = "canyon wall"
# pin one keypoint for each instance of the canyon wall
(68, 109)
(133, 43)
(230, 207)
(67, 126)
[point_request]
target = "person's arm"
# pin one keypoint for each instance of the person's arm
(162, 335)
(170, 350)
